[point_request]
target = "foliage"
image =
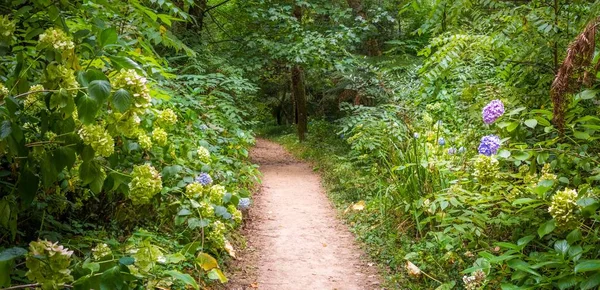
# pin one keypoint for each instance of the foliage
(98, 141)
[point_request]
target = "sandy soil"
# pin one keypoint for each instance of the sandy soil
(295, 240)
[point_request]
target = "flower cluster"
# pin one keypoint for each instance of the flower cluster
(97, 137)
(7, 28)
(60, 76)
(236, 215)
(474, 281)
(48, 264)
(489, 145)
(216, 193)
(146, 182)
(244, 203)
(160, 136)
(451, 151)
(204, 179)
(216, 235)
(203, 154)
(56, 39)
(206, 210)
(144, 141)
(492, 111)
(3, 91)
(100, 251)
(441, 141)
(135, 84)
(486, 168)
(194, 189)
(167, 117)
(563, 206)
(33, 103)
(547, 173)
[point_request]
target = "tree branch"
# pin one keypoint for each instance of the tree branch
(213, 7)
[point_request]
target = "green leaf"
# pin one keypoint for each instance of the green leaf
(124, 62)
(5, 129)
(531, 123)
(99, 90)
(108, 36)
(89, 171)
(126, 261)
(111, 279)
(590, 283)
(546, 228)
(65, 158)
(574, 236)
(512, 126)
(521, 155)
(587, 266)
(185, 278)
(7, 258)
(522, 266)
(567, 282)
(87, 107)
(28, 186)
(121, 100)
(49, 173)
(586, 95)
(581, 135)
(216, 274)
(562, 247)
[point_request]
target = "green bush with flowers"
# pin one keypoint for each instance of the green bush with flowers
(115, 173)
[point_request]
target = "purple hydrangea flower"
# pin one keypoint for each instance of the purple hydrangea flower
(489, 145)
(441, 141)
(492, 111)
(244, 203)
(204, 179)
(451, 151)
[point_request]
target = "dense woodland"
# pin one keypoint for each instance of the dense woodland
(457, 137)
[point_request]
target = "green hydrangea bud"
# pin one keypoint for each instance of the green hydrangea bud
(146, 183)
(547, 173)
(216, 234)
(160, 136)
(167, 117)
(135, 84)
(194, 190)
(98, 138)
(56, 39)
(235, 213)
(486, 168)
(206, 210)
(563, 207)
(33, 101)
(3, 91)
(101, 251)
(145, 141)
(60, 77)
(203, 155)
(216, 193)
(48, 264)
(7, 28)
(172, 153)
(146, 256)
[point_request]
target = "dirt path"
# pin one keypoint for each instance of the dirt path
(295, 239)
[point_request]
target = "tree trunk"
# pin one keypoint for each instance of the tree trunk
(197, 12)
(299, 93)
(372, 44)
(298, 90)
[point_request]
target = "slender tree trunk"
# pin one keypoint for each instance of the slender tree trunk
(298, 89)
(197, 12)
(372, 44)
(300, 97)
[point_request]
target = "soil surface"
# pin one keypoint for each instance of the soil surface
(295, 240)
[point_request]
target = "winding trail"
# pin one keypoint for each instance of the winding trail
(294, 238)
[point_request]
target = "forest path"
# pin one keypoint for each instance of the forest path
(295, 239)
